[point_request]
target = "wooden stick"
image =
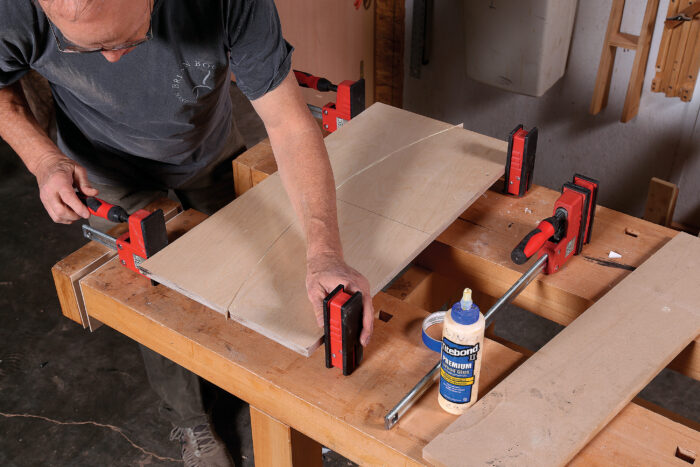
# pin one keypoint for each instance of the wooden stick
(659, 82)
(691, 62)
(641, 56)
(607, 59)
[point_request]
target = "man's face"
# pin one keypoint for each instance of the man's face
(101, 23)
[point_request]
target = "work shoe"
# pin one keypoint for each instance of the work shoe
(201, 447)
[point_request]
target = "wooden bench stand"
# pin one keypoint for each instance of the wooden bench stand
(297, 404)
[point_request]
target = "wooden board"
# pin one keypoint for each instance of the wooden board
(494, 223)
(401, 179)
(551, 406)
(389, 21)
(342, 413)
(661, 202)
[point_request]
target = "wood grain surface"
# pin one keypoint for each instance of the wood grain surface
(556, 402)
(342, 413)
(401, 179)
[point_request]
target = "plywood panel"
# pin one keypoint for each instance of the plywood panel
(556, 402)
(402, 179)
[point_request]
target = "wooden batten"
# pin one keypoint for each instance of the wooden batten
(661, 202)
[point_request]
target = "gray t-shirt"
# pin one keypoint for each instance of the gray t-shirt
(162, 112)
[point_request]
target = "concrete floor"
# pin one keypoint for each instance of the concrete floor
(71, 397)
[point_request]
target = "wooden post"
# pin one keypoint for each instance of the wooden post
(277, 445)
(389, 19)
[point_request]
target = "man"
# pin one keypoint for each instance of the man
(142, 102)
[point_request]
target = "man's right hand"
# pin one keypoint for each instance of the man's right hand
(58, 176)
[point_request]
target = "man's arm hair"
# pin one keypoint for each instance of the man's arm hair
(21, 130)
(57, 175)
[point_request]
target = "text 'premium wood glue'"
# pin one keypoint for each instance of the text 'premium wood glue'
(462, 350)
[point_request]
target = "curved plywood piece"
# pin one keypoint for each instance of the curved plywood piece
(401, 178)
(285, 314)
(212, 260)
(446, 170)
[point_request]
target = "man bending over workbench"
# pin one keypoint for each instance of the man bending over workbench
(142, 100)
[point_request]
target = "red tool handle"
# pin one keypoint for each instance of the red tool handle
(307, 80)
(103, 209)
(533, 241)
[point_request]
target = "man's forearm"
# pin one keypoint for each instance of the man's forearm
(303, 165)
(20, 129)
(306, 173)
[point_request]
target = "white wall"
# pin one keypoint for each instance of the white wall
(662, 141)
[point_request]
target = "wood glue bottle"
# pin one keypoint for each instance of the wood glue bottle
(462, 347)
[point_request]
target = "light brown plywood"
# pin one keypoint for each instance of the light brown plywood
(401, 180)
(556, 402)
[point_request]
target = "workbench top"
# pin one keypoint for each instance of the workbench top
(346, 414)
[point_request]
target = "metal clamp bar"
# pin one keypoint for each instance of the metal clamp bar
(93, 234)
(515, 289)
(409, 399)
(419, 389)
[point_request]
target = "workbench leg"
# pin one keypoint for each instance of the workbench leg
(278, 445)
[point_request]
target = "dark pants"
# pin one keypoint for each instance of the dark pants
(178, 388)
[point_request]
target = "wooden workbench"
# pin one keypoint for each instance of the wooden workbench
(296, 403)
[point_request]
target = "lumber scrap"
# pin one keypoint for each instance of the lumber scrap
(68, 272)
(253, 166)
(552, 405)
(661, 202)
(248, 260)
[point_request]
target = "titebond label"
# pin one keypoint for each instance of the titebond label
(457, 371)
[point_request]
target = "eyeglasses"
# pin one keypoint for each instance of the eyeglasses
(77, 49)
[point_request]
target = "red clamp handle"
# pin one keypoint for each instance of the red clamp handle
(103, 209)
(307, 80)
(533, 241)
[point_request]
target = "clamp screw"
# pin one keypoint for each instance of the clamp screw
(121, 247)
(123, 262)
(325, 126)
(325, 112)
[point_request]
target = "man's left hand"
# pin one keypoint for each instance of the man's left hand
(323, 274)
